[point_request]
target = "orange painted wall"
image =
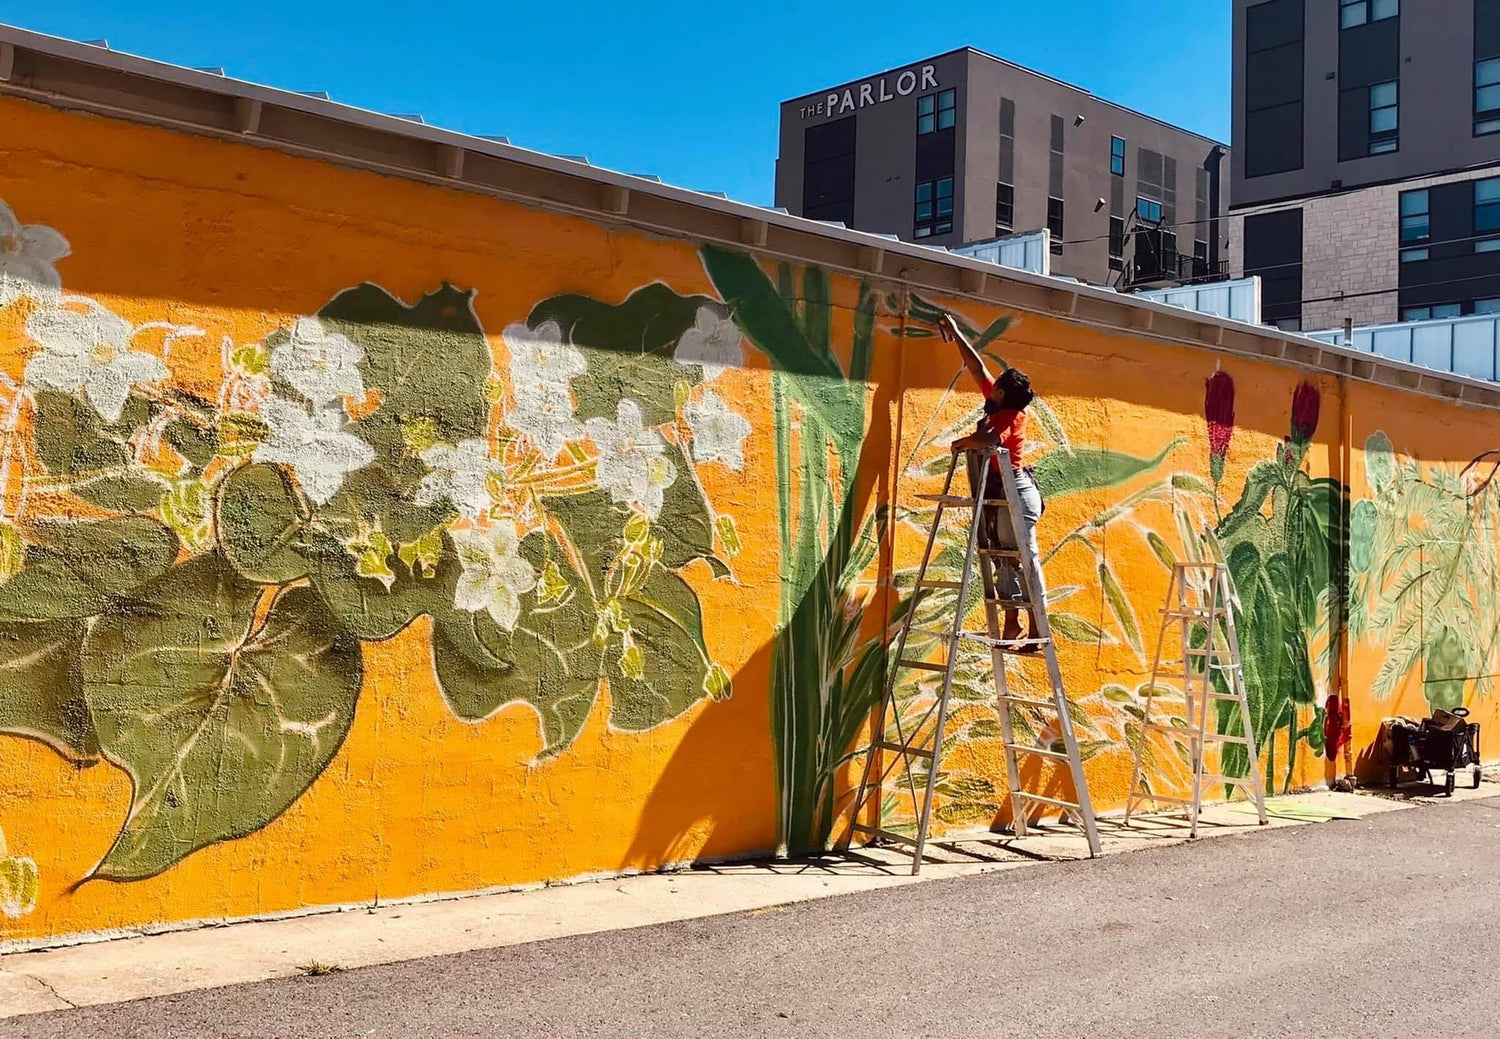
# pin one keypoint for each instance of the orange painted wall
(237, 243)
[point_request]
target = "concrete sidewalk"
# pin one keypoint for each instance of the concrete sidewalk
(181, 961)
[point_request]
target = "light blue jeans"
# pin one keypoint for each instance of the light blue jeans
(998, 530)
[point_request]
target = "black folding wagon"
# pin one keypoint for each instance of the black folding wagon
(1435, 746)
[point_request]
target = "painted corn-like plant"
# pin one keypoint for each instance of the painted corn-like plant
(1422, 564)
(825, 679)
(1284, 544)
(187, 584)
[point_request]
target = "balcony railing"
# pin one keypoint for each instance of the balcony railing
(1172, 267)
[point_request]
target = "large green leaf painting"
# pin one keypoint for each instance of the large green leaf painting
(628, 348)
(664, 627)
(220, 724)
(427, 361)
(77, 568)
(39, 688)
(1080, 469)
(76, 445)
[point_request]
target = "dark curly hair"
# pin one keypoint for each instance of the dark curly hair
(1012, 392)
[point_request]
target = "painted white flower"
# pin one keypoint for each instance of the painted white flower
(27, 255)
(544, 415)
(540, 358)
(632, 466)
(314, 445)
(714, 341)
(319, 364)
(718, 433)
(89, 350)
(494, 577)
(460, 475)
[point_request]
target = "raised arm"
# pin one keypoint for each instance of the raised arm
(949, 330)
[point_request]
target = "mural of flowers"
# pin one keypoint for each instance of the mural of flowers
(1218, 409)
(360, 468)
(19, 883)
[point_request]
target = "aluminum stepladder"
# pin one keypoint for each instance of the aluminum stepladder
(928, 748)
(1208, 601)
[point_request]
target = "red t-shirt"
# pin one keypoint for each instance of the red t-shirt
(1008, 424)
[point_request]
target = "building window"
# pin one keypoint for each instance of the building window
(1433, 313)
(1055, 223)
(1487, 245)
(1415, 226)
(934, 207)
(935, 111)
(1413, 255)
(1148, 210)
(1487, 204)
(1383, 118)
(1486, 96)
(1358, 12)
(1117, 156)
(1116, 243)
(1274, 75)
(1005, 208)
(1487, 306)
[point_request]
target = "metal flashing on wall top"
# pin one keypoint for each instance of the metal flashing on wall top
(77, 76)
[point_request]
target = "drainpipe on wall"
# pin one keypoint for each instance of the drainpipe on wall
(1346, 478)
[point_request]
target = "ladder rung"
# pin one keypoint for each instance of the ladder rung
(1201, 651)
(1228, 780)
(1199, 566)
(1010, 645)
(1194, 734)
(929, 582)
(1028, 701)
(1213, 695)
(1043, 799)
(954, 499)
(887, 835)
(1038, 751)
(1162, 797)
(1011, 604)
(923, 665)
(1005, 553)
(904, 749)
(1191, 614)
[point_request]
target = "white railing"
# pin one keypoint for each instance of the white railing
(1237, 300)
(1463, 345)
(1022, 252)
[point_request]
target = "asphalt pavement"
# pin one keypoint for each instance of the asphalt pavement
(1384, 926)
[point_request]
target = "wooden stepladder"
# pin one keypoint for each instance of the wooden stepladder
(1199, 594)
(924, 742)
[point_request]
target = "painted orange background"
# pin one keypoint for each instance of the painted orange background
(239, 241)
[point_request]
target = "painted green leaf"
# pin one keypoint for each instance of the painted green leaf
(666, 622)
(428, 361)
(1380, 462)
(1119, 606)
(1092, 469)
(762, 312)
(628, 348)
(39, 688)
(1076, 629)
(75, 569)
(220, 727)
(1258, 485)
(550, 661)
(372, 495)
(73, 442)
(364, 605)
(1160, 550)
(197, 441)
(1362, 520)
(685, 525)
(260, 524)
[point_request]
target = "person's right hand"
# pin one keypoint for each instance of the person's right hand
(948, 329)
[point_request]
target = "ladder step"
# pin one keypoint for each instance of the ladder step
(1012, 604)
(1004, 553)
(1038, 751)
(1009, 645)
(1193, 733)
(928, 582)
(1213, 695)
(1203, 652)
(954, 499)
(1229, 781)
(1028, 701)
(904, 749)
(923, 665)
(1191, 614)
(1143, 796)
(885, 835)
(1041, 799)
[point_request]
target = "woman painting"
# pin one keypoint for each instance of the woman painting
(1004, 422)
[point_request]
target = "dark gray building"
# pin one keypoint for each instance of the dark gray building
(1366, 165)
(965, 147)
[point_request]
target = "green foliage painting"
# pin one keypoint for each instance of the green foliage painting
(197, 616)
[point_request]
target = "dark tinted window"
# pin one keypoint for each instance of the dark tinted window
(1273, 250)
(1273, 87)
(828, 171)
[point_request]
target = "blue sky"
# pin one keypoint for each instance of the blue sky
(663, 88)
